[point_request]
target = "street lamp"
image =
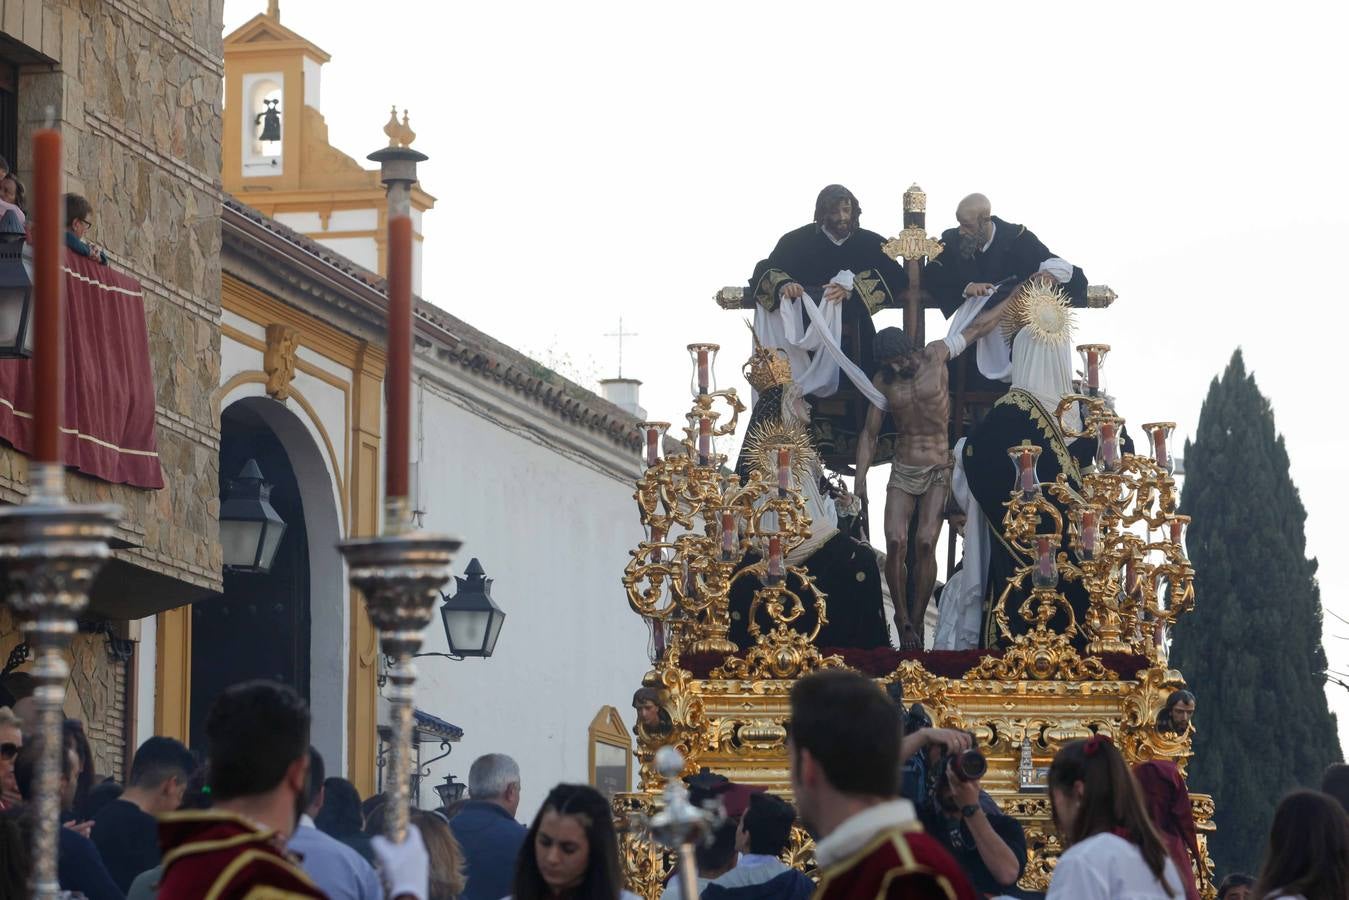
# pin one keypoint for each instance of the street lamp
(451, 791)
(250, 529)
(472, 620)
(16, 291)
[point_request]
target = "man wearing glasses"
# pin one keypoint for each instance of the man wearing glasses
(79, 222)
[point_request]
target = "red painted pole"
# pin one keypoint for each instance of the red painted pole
(398, 371)
(48, 297)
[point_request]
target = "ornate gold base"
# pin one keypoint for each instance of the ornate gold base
(735, 726)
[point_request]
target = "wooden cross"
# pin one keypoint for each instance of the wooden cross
(620, 334)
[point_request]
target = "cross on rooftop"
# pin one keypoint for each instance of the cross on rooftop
(620, 334)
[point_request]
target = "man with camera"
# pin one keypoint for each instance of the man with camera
(942, 777)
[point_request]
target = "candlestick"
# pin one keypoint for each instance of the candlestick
(1177, 527)
(398, 172)
(704, 440)
(1109, 450)
(728, 534)
(1093, 357)
(49, 352)
(775, 570)
(1088, 530)
(703, 357)
(1046, 573)
(1024, 457)
(653, 432)
(1159, 434)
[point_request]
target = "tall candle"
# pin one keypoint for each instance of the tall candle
(1177, 530)
(784, 470)
(704, 441)
(48, 298)
(1089, 532)
(728, 535)
(1093, 371)
(774, 558)
(652, 446)
(1027, 473)
(398, 369)
(1130, 576)
(1109, 446)
(657, 535)
(1045, 575)
(1159, 446)
(703, 375)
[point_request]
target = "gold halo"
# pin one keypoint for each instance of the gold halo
(761, 440)
(1044, 310)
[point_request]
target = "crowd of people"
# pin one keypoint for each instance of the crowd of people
(895, 805)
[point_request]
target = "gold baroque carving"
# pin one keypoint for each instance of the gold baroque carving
(278, 359)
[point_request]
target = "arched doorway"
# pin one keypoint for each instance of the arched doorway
(288, 625)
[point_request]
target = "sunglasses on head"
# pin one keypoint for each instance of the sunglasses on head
(9, 751)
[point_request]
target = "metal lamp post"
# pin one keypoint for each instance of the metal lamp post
(451, 791)
(472, 620)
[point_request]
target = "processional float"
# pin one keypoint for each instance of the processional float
(1055, 680)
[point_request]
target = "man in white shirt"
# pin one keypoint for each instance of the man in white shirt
(337, 869)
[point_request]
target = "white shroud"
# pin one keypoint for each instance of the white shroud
(815, 354)
(960, 617)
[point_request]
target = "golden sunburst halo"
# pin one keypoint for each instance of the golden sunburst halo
(764, 437)
(1044, 309)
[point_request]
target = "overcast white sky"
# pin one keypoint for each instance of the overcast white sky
(598, 159)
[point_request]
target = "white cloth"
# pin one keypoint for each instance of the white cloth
(991, 353)
(815, 354)
(1045, 371)
(1107, 867)
(856, 832)
(1060, 269)
(960, 617)
(405, 867)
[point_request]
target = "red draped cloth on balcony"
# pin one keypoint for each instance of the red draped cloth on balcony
(108, 425)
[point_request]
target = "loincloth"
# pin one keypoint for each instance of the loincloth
(918, 480)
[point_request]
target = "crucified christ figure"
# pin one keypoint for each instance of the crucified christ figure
(914, 383)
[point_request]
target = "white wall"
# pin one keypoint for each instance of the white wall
(554, 534)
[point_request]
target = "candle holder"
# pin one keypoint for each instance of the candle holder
(782, 454)
(52, 550)
(1108, 451)
(1175, 529)
(704, 379)
(400, 576)
(653, 436)
(1045, 575)
(1087, 518)
(1159, 436)
(1025, 458)
(1093, 357)
(730, 534)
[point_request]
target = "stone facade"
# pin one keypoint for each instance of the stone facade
(136, 90)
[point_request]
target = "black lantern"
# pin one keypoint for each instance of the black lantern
(451, 791)
(250, 529)
(16, 291)
(472, 620)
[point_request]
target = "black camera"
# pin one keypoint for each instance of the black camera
(967, 765)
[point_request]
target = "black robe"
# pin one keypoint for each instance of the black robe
(808, 257)
(1015, 253)
(1015, 418)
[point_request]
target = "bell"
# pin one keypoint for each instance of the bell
(271, 122)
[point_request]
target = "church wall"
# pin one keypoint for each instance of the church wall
(548, 511)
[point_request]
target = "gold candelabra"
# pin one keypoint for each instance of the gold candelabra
(1124, 540)
(702, 524)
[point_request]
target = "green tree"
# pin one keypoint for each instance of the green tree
(1251, 650)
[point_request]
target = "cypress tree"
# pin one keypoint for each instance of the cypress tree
(1251, 650)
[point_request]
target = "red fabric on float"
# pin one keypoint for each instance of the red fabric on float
(108, 425)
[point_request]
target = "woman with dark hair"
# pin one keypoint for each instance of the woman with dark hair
(1168, 802)
(74, 738)
(1308, 857)
(341, 818)
(571, 850)
(1112, 852)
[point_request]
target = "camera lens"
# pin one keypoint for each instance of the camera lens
(970, 765)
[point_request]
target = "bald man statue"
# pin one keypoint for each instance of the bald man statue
(985, 252)
(915, 385)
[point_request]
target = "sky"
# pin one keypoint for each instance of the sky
(598, 160)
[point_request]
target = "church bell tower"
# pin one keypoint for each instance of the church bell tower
(276, 156)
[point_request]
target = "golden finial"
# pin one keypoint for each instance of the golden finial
(408, 135)
(914, 199)
(391, 127)
(766, 368)
(1044, 309)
